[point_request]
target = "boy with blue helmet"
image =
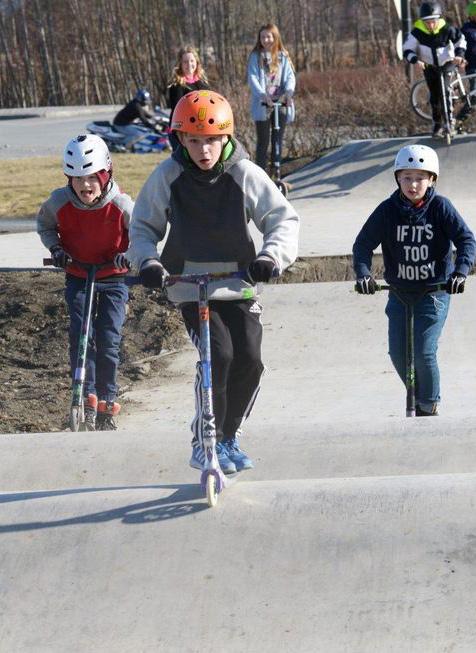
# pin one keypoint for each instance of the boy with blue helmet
(469, 32)
(416, 229)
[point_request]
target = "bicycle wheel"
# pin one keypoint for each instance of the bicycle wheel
(462, 93)
(420, 100)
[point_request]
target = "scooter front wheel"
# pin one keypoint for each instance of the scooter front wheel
(211, 488)
(76, 418)
(282, 187)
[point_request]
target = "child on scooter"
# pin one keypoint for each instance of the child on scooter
(435, 46)
(208, 191)
(87, 221)
(416, 229)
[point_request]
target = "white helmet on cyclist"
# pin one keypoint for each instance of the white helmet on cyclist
(85, 155)
(417, 157)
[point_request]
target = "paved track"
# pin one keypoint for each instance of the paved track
(354, 533)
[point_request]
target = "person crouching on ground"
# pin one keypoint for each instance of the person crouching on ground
(87, 221)
(208, 191)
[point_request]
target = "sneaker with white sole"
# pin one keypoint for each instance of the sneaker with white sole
(237, 456)
(197, 460)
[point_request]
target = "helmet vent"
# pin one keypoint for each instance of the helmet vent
(87, 165)
(421, 160)
(211, 121)
(81, 138)
(88, 152)
(192, 119)
(410, 159)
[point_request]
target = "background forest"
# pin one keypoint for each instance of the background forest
(350, 81)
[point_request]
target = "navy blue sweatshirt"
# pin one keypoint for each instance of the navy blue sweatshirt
(469, 31)
(416, 242)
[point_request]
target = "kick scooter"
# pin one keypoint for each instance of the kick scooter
(76, 413)
(212, 479)
(282, 186)
(409, 303)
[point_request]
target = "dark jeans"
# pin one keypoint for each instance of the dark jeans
(235, 335)
(108, 315)
(263, 132)
(429, 318)
(432, 76)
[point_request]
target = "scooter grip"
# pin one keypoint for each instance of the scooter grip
(47, 261)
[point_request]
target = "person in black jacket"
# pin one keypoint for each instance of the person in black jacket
(416, 229)
(435, 46)
(188, 75)
(469, 31)
(137, 114)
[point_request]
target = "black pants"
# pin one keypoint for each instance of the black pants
(432, 76)
(235, 334)
(263, 131)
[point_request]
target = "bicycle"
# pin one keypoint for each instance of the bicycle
(462, 95)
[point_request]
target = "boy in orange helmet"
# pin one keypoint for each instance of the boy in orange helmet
(208, 191)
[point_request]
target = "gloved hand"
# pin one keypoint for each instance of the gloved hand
(455, 284)
(152, 274)
(59, 256)
(121, 261)
(261, 269)
(366, 286)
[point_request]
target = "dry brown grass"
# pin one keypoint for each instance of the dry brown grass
(26, 183)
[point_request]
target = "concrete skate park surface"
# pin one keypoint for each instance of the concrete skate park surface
(355, 532)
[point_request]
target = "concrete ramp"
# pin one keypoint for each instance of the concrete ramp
(337, 193)
(347, 537)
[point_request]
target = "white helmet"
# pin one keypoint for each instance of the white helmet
(417, 157)
(85, 155)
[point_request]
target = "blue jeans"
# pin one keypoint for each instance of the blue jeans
(430, 313)
(108, 315)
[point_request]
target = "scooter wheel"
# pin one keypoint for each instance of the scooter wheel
(211, 488)
(75, 418)
(282, 187)
(448, 138)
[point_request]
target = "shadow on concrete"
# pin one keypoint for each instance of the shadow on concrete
(325, 171)
(180, 503)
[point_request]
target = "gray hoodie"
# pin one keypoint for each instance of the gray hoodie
(207, 215)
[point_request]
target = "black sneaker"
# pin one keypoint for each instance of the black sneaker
(107, 410)
(423, 413)
(438, 131)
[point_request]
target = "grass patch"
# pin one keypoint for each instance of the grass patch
(26, 183)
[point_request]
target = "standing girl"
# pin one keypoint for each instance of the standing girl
(271, 78)
(188, 75)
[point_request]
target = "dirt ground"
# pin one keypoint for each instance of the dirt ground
(35, 390)
(34, 368)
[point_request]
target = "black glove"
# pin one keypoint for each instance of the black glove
(59, 257)
(152, 274)
(261, 269)
(120, 261)
(455, 284)
(366, 286)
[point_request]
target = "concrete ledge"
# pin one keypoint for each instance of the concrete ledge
(55, 112)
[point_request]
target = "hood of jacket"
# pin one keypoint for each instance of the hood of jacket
(232, 152)
(410, 213)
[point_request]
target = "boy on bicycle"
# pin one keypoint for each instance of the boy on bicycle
(436, 48)
(469, 32)
(87, 221)
(416, 229)
(207, 192)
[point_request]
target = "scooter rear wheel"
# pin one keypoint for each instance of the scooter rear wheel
(211, 488)
(76, 418)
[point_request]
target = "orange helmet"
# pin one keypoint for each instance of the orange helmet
(203, 113)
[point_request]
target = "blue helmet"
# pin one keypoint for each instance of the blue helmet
(142, 95)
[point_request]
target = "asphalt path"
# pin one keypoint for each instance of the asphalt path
(43, 136)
